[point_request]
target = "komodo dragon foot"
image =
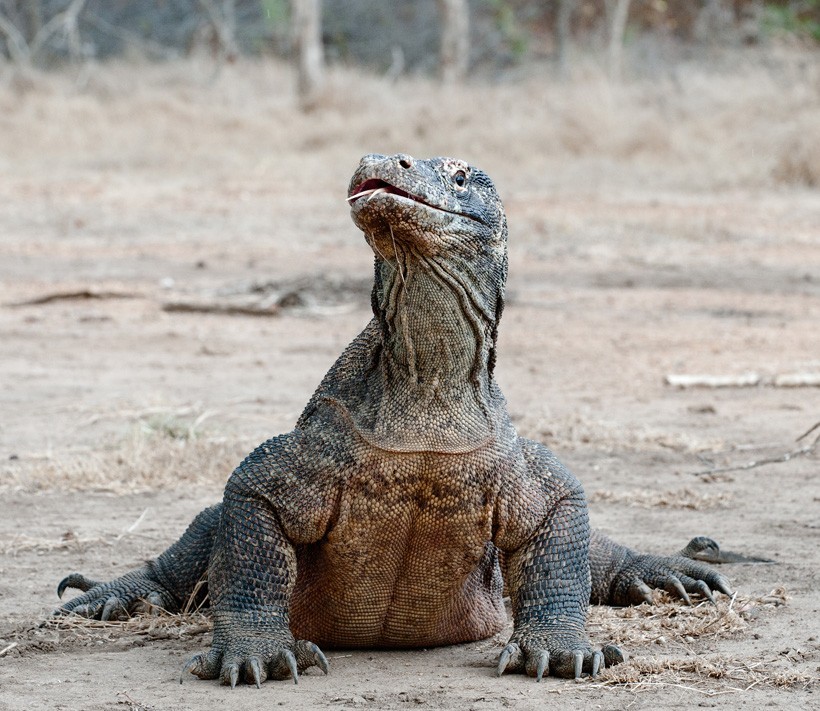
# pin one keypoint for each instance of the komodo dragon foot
(134, 592)
(677, 575)
(255, 659)
(538, 656)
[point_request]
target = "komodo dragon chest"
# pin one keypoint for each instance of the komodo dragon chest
(407, 561)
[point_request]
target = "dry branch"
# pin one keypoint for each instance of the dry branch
(75, 295)
(713, 381)
(15, 42)
(776, 459)
(143, 44)
(222, 309)
(745, 380)
(7, 649)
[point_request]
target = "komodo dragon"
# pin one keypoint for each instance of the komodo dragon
(403, 500)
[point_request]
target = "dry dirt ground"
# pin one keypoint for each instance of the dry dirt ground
(664, 227)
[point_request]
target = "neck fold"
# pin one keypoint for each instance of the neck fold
(433, 389)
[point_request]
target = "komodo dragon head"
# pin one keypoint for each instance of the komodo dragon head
(441, 218)
(429, 207)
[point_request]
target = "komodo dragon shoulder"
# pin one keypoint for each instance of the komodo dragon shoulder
(403, 503)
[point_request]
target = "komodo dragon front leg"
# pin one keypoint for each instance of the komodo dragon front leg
(556, 566)
(278, 498)
(543, 531)
(245, 545)
(167, 582)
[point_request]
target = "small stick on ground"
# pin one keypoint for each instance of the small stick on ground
(77, 295)
(778, 459)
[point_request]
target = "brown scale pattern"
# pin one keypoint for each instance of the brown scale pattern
(403, 500)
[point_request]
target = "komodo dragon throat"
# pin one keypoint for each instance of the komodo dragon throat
(403, 499)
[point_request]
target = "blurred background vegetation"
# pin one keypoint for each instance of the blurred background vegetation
(697, 93)
(488, 38)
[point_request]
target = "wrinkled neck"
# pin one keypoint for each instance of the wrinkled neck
(436, 332)
(419, 377)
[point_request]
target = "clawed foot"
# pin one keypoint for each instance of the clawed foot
(677, 575)
(116, 600)
(538, 661)
(256, 660)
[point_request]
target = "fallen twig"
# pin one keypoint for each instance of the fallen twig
(7, 649)
(809, 431)
(744, 380)
(224, 309)
(79, 294)
(778, 459)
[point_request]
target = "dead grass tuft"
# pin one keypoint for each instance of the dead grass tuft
(668, 625)
(578, 430)
(162, 626)
(159, 455)
(694, 672)
(74, 631)
(684, 498)
(668, 622)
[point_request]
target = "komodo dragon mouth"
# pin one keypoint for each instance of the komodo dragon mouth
(374, 186)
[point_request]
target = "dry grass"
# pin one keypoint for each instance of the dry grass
(693, 127)
(668, 626)
(684, 498)
(695, 673)
(669, 623)
(73, 631)
(577, 430)
(162, 453)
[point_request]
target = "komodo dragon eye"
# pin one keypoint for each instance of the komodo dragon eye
(460, 178)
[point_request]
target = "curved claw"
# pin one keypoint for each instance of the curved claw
(290, 660)
(543, 665)
(194, 661)
(256, 670)
(504, 660)
(674, 587)
(704, 590)
(155, 603)
(234, 675)
(613, 655)
(319, 659)
(579, 663)
(77, 581)
(84, 611)
(112, 605)
(640, 592)
(598, 661)
(722, 585)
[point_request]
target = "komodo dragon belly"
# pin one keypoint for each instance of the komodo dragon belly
(407, 563)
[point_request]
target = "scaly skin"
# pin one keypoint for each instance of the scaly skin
(403, 499)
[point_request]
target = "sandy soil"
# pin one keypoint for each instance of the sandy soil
(678, 237)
